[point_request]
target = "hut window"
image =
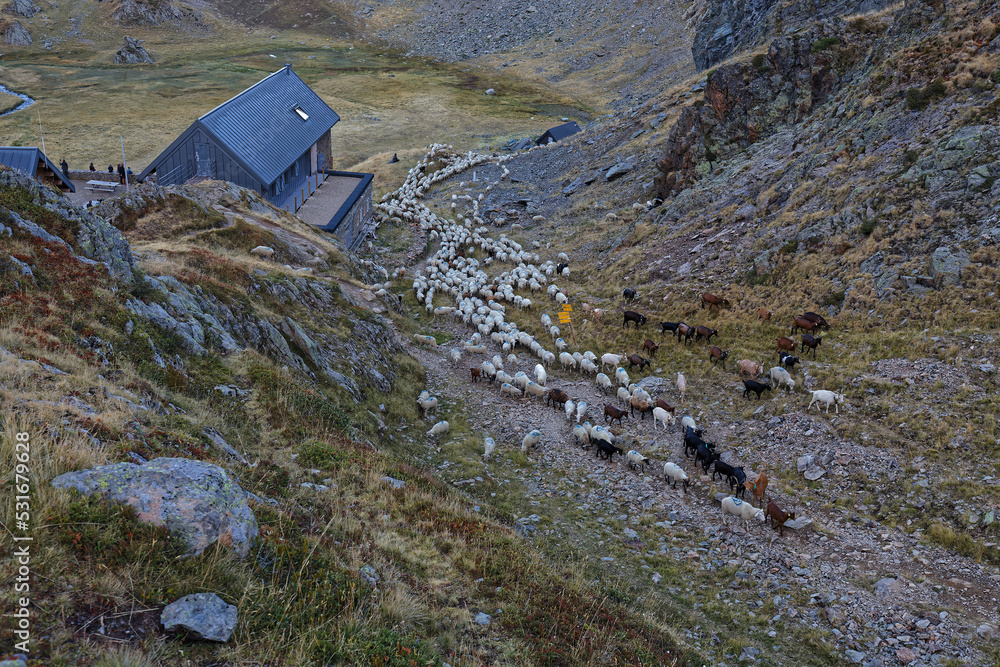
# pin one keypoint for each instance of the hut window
(302, 114)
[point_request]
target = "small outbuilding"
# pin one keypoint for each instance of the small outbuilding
(273, 138)
(558, 133)
(31, 162)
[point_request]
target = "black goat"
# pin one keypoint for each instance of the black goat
(756, 387)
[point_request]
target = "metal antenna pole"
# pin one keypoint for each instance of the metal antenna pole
(124, 164)
(40, 133)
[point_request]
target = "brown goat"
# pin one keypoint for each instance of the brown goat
(751, 368)
(611, 413)
(786, 344)
(713, 300)
(660, 403)
(686, 331)
(757, 488)
(705, 332)
(778, 517)
(477, 374)
(763, 314)
(812, 342)
(804, 324)
(650, 347)
(716, 355)
(558, 398)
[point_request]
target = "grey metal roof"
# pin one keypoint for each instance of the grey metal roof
(559, 132)
(20, 158)
(25, 160)
(261, 128)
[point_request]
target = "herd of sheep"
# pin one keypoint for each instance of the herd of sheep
(454, 277)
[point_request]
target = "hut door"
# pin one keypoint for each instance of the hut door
(203, 156)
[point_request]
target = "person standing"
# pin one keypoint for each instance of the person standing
(121, 174)
(65, 168)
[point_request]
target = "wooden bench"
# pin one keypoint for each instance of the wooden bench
(101, 186)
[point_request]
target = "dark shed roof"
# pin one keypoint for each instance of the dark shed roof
(558, 132)
(260, 127)
(25, 159)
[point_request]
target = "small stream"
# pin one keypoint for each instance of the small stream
(24, 105)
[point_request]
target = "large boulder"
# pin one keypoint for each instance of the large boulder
(195, 500)
(947, 264)
(202, 615)
(25, 8)
(132, 52)
(12, 32)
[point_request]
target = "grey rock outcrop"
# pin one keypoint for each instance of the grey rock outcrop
(95, 239)
(147, 12)
(12, 32)
(946, 266)
(25, 8)
(202, 615)
(195, 500)
(132, 52)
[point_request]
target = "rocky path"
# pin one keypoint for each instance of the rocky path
(878, 595)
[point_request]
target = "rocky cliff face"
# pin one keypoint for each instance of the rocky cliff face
(730, 26)
(744, 101)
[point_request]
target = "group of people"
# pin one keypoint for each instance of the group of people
(122, 171)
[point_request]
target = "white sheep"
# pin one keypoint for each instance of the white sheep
(827, 397)
(570, 408)
(673, 472)
(536, 390)
(455, 355)
(623, 395)
(611, 360)
(503, 378)
(475, 349)
(263, 251)
(741, 509)
(622, 376)
(636, 459)
(521, 379)
(566, 359)
(439, 429)
(781, 376)
(427, 340)
(581, 435)
(507, 388)
(604, 382)
(603, 434)
(687, 421)
(581, 410)
(540, 375)
(427, 402)
(489, 446)
(661, 416)
(682, 385)
(531, 440)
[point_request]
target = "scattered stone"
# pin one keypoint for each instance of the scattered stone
(618, 171)
(857, 657)
(491, 92)
(749, 654)
(814, 473)
(906, 656)
(886, 588)
(805, 462)
(202, 615)
(985, 630)
(394, 483)
(369, 574)
(483, 619)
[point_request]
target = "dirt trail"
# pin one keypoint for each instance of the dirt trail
(836, 561)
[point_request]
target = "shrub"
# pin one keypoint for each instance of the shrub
(917, 99)
(996, 77)
(760, 62)
(825, 43)
(789, 248)
(868, 225)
